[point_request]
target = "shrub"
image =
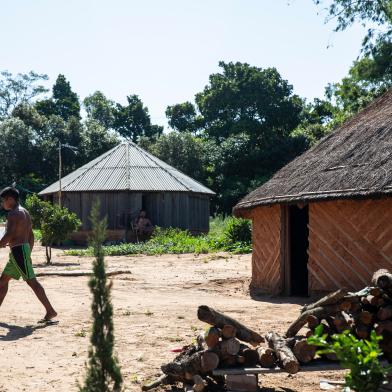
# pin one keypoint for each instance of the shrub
(179, 241)
(238, 230)
(360, 356)
(55, 223)
(103, 372)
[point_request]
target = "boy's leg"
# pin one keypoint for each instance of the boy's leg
(4, 279)
(41, 295)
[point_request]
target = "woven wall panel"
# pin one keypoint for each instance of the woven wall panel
(348, 241)
(266, 249)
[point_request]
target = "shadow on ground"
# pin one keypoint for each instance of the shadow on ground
(15, 332)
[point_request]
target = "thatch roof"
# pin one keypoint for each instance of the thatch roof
(354, 161)
(127, 167)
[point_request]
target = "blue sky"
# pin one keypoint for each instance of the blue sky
(164, 50)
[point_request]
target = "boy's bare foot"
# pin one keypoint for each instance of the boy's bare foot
(50, 315)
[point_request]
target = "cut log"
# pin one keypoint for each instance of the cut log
(365, 317)
(303, 351)
(362, 331)
(229, 347)
(340, 323)
(162, 380)
(319, 312)
(374, 301)
(330, 299)
(313, 322)
(251, 357)
(199, 383)
(376, 291)
(212, 336)
(385, 313)
(228, 361)
(219, 320)
(286, 358)
(186, 366)
(209, 361)
(309, 334)
(228, 331)
(345, 306)
(382, 279)
(383, 326)
(266, 357)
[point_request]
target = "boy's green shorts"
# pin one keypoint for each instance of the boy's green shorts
(19, 263)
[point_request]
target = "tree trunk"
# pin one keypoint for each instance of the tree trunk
(219, 320)
(48, 251)
(286, 357)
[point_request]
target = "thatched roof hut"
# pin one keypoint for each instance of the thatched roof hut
(127, 179)
(325, 220)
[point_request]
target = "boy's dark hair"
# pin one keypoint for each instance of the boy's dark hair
(10, 192)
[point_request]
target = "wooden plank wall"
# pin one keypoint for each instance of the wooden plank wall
(117, 206)
(348, 241)
(165, 209)
(266, 270)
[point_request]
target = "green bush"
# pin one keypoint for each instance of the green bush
(54, 223)
(238, 230)
(360, 356)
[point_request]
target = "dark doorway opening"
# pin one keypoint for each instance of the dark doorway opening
(144, 202)
(299, 243)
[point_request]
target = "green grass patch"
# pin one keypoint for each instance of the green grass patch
(230, 235)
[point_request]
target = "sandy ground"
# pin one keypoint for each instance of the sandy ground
(154, 311)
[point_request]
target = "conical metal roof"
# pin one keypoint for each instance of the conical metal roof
(127, 167)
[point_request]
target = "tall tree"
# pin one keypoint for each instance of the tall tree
(376, 14)
(371, 73)
(182, 117)
(133, 121)
(64, 102)
(103, 372)
(247, 99)
(96, 140)
(180, 150)
(19, 89)
(100, 109)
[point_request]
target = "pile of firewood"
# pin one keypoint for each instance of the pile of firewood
(228, 343)
(360, 312)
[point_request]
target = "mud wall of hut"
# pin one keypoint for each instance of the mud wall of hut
(266, 238)
(348, 241)
(165, 209)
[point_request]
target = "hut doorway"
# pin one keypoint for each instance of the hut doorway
(298, 249)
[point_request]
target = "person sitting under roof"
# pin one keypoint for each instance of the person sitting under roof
(143, 225)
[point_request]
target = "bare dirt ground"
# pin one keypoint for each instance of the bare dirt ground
(154, 311)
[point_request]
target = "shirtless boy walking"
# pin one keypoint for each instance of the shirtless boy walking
(20, 238)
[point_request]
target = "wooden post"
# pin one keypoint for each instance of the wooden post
(60, 169)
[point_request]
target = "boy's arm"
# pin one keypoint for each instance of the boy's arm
(11, 223)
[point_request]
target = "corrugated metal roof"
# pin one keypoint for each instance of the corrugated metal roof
(127, 167)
